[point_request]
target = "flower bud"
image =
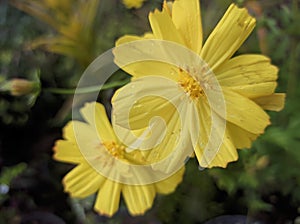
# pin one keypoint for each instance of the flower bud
(262, 162)
(133, 3)
(19, 87)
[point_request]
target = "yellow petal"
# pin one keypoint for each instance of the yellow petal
(273, 102)
(187, 19)
(126, 39)
(68, 131)
(246, 69)
(167, 6)
(202, 133)
(84, 134)
(95, 115)
(209, 151)
(82, 181)
(171, 153)
(129, 38)
(132, 110)
(249, 75)
(147, 116)
(87, 140)
(226, 154)
(133, 3)
(169, 185)
(163, 27)
(70, 150)
(67, 151)
(256, 90)
(131, 62)
(229, 34)
(240, 137)
(138, 198)
(192, 122)
(50, 41)
(88, 12)
(149, 68)
(108, 199)
(244, 112)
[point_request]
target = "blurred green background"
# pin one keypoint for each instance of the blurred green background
(53, 45)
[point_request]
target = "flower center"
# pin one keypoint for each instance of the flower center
(190, 85)
(114, 149)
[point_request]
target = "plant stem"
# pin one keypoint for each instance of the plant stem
(84, 90)
(292, 81)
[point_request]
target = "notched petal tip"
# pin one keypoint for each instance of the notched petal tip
(104, 213)
(155, 11)
(274, 102)
(229, 34)
(68, 131)
(138, 213)
(167, 6)
(87, 108)
(242, 10)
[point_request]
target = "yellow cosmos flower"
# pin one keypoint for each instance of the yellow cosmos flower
(133, 3)
(94, 143)
(72, 20)
(247, 82)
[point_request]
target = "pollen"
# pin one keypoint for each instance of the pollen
(190, 85)
(114, 149)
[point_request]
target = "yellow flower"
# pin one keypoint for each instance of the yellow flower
(246, 82)
(133, 3)
(103, 166)
(72, 20)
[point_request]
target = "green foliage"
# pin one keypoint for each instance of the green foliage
(272, 165)
(6, 176)
(265, 178)
(195, 200)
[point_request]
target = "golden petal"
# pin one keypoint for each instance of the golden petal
(82, 181)
(229, 34)
(108, 198)
(138, 198)
(187, 19)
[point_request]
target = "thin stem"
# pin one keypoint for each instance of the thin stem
(292, 81)
(295, 6)
(84, 90)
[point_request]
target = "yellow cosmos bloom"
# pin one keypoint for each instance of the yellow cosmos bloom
(94, 143)
(72, 20)
(247, 82)
(133, 3)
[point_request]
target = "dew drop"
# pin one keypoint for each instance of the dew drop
(200, 168)
(186, 159)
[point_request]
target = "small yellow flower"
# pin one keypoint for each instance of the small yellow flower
(133, 3)
(247, 82)
(101, 159)
(72, 20)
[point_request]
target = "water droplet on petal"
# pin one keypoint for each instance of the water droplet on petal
(200, 168)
